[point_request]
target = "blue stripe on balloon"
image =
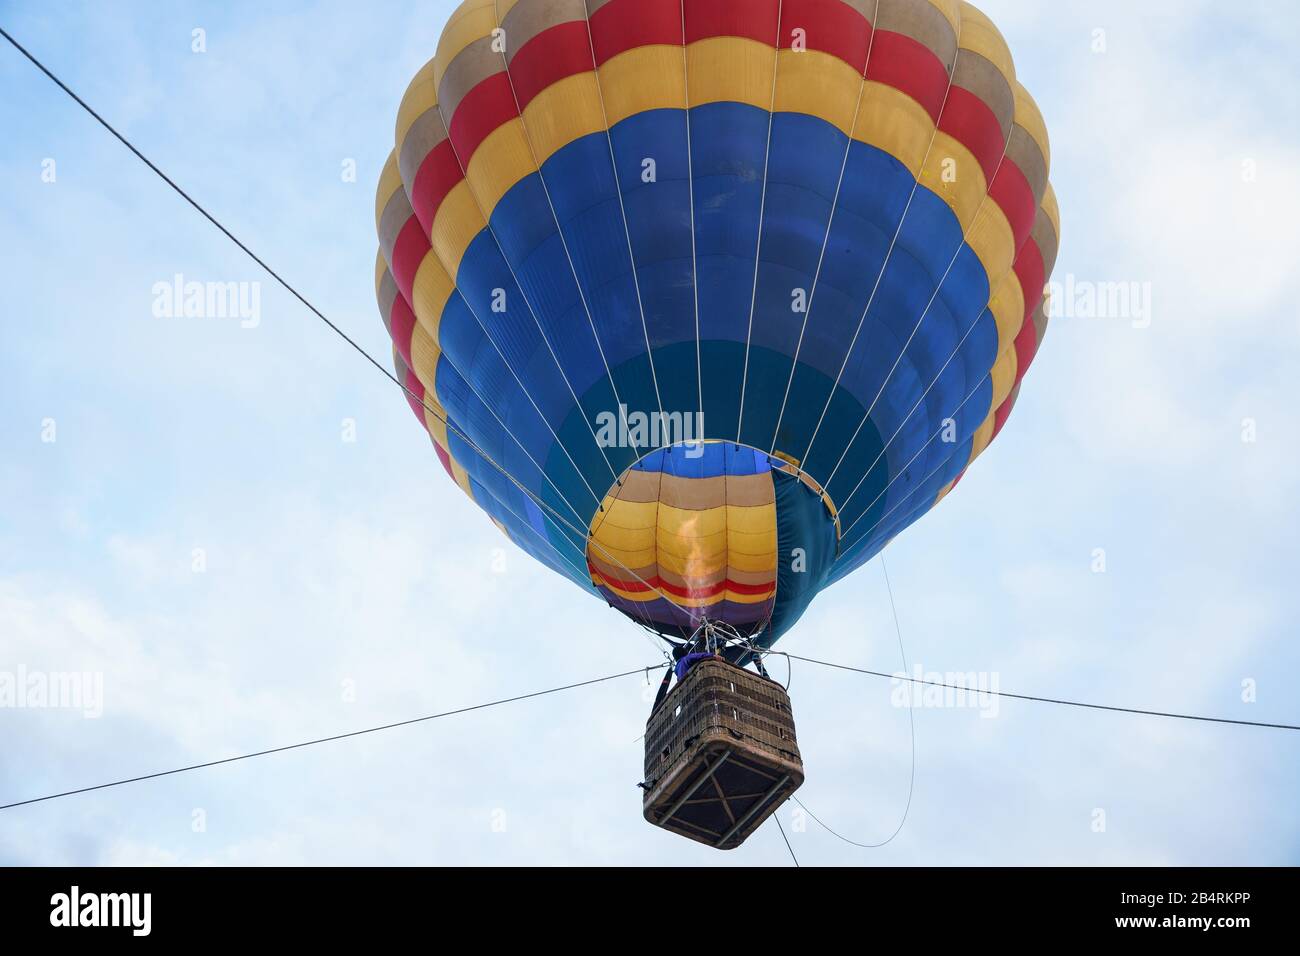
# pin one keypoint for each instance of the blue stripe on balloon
(525, 228)
(585, 196)
(654, 175)
(729, 147)
(467, 352)
(803, 173)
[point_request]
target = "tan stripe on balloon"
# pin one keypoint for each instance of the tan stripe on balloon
(922, 22)
(698, 493)
(396, 215)
(1044, 234)
(1024, 152)
(387, 295)
(424, 135)
(978, 34)
(390, 181)
(472, 66)
(639, 486)
(1030, 117)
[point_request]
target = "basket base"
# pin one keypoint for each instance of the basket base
(721, 791)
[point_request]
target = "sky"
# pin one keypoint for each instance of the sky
(236, 528)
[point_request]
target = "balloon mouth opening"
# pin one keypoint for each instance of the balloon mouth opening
(689, 533)
(685, 452)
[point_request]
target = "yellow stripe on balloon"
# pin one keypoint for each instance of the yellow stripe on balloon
(456, 224)
(752, 519)
(983, 435)
(1004, 376)
(730, 70)
(461, 477)
(424, 363)
(438, 432)
(895, 123)
(816, 84)
(754, 564)
(1008, 308)
(752, 552)
(609, 551)
(501, 161)
(701, 557)
(627, 540)
(641, 79)
(993, 242)
(953, 173)
(619, 513)
(696, 521)
(723, 69)
(1053, 210)
(562, 113)
(750, 598)
(696, 564)
(686, 548)
(624, 559)
(430, 293)
(943, 492)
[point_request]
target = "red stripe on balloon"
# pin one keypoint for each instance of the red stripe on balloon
(656, 583)
(622, 25)
(555, 53)
(829, 26)
(1015, 197)
(968, 120)
(910, 67)
(1001, 415)
(415, 397)
(485, 108)
(1026, 348)
(408, 252)
(751, 19)
(1032, 274)
(436, 177)
(401, 323)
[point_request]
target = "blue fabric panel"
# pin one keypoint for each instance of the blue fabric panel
(805, 536)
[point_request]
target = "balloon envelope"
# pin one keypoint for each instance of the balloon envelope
(733, 290)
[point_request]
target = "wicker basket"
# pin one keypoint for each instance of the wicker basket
(720, 755)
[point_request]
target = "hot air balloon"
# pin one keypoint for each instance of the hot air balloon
(705, 301)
